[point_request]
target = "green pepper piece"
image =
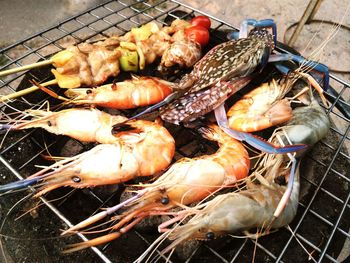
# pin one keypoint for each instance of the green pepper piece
(129, 60)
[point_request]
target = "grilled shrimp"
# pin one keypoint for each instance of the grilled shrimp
(129, 94)
(266, 105)
(260, 204)
(131, 155)
(261, 108)
(309, 124)
(185, 182)
(86, 125)
(239, 211)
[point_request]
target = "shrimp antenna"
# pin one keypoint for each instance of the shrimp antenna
(37, 177)
(5, 128)
(21, 184)
(103, 214)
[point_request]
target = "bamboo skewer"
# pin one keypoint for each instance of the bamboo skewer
(61, 58)
(26, 91)
(26, 67)
(58, 59)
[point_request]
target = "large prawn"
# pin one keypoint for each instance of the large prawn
(92, 125)
(259, 205)
(266, 105)
(129, 94)
(185, 182)
(131, 155)
(86, 125)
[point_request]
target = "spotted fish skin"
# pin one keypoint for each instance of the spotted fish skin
(218, 75)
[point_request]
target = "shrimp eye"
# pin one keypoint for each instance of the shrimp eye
(49, 123)
(165, 200)
(88, 91)
(76, 179)
(210, 235)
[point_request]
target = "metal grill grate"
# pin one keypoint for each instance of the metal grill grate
(320, 228)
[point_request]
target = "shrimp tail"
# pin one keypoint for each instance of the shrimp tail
(258, 143)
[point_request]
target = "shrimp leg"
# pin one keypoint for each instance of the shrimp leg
(221, 118)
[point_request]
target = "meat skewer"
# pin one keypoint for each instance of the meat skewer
(92, 64)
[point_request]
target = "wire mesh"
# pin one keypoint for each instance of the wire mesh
(319, 231)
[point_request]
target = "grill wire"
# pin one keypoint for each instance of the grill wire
(320, 229)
